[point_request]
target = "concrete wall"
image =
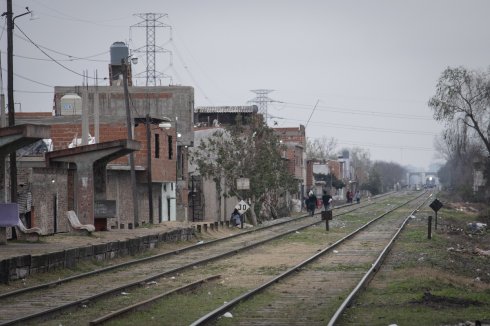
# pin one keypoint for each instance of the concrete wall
(211, 203)
(22, 266)
(158, 101)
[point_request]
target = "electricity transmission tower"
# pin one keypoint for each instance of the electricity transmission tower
(262, 100)
(151, 21)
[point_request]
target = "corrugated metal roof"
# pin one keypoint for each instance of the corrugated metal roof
(227, 109)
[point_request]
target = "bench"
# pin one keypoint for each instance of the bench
(78, 227)
(9, 217)
(30, 235)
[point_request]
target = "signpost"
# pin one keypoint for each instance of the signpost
(242, 207)
(435, 205)
(243, 184)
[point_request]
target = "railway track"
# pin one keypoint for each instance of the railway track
(40, 301)
(308, 293)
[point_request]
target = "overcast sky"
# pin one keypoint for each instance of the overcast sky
(371, 65)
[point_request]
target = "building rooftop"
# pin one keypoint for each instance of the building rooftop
(227, 109)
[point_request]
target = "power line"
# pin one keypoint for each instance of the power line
(357, 111)
(186, 68)
(71, 18)
(31, 80)
(312, 111)
(348, 142)
(373, 129)
(54, 60)
(72, 59)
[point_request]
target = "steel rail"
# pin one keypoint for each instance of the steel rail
(220, 310)
(158, 275)
(372, 271)
(170, 253)
(122, 311)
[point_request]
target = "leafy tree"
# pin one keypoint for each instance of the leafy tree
(251, 151)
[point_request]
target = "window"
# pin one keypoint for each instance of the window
(170, 148)
(157, 146)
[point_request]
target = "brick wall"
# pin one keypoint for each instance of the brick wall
(48, 187)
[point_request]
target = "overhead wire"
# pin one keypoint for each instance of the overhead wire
(313, 111)
(69, 56)
(31, 80)
(355, 127)
(61, 60)
(65, 16)
(186, 68)
(54, 60)
(358, 111)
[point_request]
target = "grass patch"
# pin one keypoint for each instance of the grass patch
(272, 270)
(248, 309)
(438, 281)
(416, 301)
(170, 312)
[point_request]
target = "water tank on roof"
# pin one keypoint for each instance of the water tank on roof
(119, 51)
(71, 104)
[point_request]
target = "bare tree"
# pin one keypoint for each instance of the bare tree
(361, 164)
(463, 97)
(321, 148)
(462, 103)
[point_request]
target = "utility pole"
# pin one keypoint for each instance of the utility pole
(10, 97)
(10, 92)
(130, 137)
(148, 168)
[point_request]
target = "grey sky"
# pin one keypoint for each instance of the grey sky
(372, 65)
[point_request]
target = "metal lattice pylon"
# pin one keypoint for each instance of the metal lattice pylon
(262, 100)
(151, 22)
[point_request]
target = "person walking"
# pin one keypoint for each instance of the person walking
(326, 199)
(358, 196)
(311, 202)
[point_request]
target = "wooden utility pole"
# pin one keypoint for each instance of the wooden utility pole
(10, 96)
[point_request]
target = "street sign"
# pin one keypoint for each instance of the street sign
(436, 205)
(243, 183)
(242, 207)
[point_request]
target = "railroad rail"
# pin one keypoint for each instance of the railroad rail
(276, 313)
(45, 299)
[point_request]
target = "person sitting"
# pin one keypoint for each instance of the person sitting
(235, 218)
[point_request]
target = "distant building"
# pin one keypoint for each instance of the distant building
(294, 151)
(215, 116)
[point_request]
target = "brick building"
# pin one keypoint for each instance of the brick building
(294, 151)
(103, 116)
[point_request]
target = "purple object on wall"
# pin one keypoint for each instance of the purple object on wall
(9, 214)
